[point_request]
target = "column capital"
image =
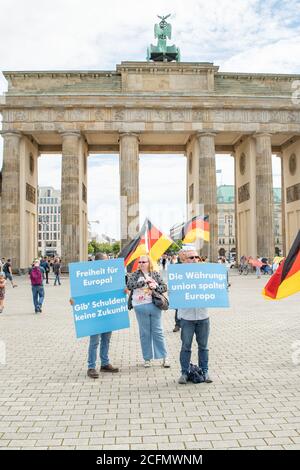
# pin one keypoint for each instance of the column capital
(128, 134)
(206, 133)
(262, 134)
(70, 133)
(11, 133)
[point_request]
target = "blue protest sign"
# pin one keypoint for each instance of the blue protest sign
(193, 285)
(100, 303)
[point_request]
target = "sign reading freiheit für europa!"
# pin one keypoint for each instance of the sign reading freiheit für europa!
(100, 302)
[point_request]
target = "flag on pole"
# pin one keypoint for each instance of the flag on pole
(286, 280)
(196, 228)
(149, 241)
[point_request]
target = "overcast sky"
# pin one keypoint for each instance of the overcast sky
(238, 36)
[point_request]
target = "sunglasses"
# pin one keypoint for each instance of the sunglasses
(143, 262)
(194, 257)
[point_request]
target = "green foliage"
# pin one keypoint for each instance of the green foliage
(175, 247)
(116, 248)
(95, 247)
(90, 248)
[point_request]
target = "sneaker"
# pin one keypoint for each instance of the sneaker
(166, 363)
(147, 364)
(176, 328)
(207, 378)
(109, 368)
(1, 310)
(93, 374)
(183, 379)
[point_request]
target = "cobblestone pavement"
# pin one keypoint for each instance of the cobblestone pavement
(47, 401)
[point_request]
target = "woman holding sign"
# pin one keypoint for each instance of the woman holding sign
(141, 285)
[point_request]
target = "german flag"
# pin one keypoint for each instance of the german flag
(149, 241)
(196, 228)
(286, 280)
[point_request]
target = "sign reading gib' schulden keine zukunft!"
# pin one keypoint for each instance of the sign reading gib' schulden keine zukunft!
(98, 292)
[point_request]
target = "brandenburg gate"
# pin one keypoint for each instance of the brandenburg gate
(150, 107)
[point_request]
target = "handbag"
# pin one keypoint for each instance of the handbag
(160, 301)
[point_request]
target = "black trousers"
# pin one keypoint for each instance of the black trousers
(177, 321)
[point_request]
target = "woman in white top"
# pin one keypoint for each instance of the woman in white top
(141, 283)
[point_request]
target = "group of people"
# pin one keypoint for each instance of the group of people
(140, 286)
(193, 322)
(166, 259)
(261, 265)
(38, 273)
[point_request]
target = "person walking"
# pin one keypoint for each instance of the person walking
(57, 271)
(46, 266)
(2, 291)
(36, 274)
(7, 269)
(193, 321)
(141, 283)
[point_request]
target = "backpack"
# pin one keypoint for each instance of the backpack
(5, 268)
(36, 277)
(195, 374)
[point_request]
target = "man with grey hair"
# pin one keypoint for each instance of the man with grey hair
(193, 321)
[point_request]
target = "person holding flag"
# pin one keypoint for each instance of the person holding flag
(141, 283)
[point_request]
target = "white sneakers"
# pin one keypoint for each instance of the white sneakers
(165, 363)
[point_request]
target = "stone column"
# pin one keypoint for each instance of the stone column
(283, 202)
(264, 196)
(70, 198)
(10, 200)
(235, 208)
(208, 190)
(129, 186)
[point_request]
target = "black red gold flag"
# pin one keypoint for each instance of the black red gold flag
(149, 241)
(286, 280)
(196, 228)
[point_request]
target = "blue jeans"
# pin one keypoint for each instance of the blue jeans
(38, 294)
(151, 333)
(104, 347)
(201, 329)
(57, 279)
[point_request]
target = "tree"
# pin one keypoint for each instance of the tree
(175, 247)
(110, 249)
(90, 248)
(116, 247)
